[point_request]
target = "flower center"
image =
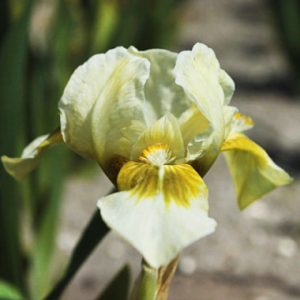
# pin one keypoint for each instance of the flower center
(158, 154)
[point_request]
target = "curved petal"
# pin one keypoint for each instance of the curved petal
(227, 85)
(160, 210)
(102, 108)
(197, 72)
(196, 131)
(164, 131)
(229, 114)
(19, 167)
(254, 173)
(162, 94)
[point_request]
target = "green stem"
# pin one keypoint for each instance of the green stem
(153, 284)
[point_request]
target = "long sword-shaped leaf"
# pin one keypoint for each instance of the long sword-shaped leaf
(47, 72)
(93, 233)
(45, 239)
(118, 288)
(13, 56)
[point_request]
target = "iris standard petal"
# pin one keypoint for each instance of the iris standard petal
(254, 173)
(163, 95)
(19, 167)
(197, 72)
(229, 113)
(160, 210)
(227, 85)
(102, 110)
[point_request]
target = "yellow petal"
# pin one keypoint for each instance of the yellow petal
(164, 131)
(19, 167)
(102, 111)
(254, 173)
(159, 210)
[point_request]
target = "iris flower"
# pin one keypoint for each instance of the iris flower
(155, 121)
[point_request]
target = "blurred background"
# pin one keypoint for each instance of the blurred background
(254, 254)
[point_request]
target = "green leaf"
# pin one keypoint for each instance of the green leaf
(4, 18)
(92, 235)
(13, 58)
(118, 288)
(56, 167)
(47, 79)
(104, 26)
(8, 292)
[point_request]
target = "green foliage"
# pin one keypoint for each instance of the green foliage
(12, 80)
(40, 47)
(91, 236)
(8, 292)
(118, 288)
(287, 17)
(44, 243)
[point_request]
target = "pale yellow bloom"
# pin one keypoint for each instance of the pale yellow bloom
(155, 121)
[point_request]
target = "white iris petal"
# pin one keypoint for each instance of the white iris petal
(154, 120)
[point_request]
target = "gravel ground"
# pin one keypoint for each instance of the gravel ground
(253, 254)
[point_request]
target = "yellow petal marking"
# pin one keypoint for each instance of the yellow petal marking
(54, 138)
(158, 154)
(175, 183)
(166, 130)
(246, 119)
(241, 122)
(182, 184)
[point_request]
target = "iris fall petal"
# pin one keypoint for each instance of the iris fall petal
(254, 173)
(20, 167)
(159, 210)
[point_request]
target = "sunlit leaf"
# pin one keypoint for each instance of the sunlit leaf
(8, 292)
